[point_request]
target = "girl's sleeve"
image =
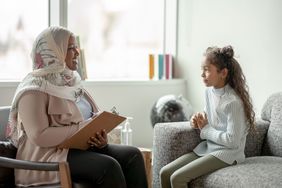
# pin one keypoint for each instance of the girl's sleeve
(33, 113)
(235, 127)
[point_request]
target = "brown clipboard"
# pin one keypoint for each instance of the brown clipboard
(104, 120)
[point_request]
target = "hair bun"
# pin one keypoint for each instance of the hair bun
(227, 51)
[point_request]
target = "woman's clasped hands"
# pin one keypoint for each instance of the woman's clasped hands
(199, 120)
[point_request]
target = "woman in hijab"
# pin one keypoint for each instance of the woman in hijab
(49, 106)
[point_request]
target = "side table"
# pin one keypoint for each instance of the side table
(147, 156)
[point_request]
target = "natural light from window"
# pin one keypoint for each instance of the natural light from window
(117, 36)
(21, 22)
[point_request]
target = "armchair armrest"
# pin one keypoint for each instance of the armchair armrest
(62, 167)
(171, 140)
(254, 142)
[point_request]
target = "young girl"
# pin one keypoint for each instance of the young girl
(224, 124)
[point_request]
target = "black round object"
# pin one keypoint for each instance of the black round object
(170, 108)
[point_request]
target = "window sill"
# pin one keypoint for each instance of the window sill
(14, 83)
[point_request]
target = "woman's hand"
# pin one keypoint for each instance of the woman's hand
(100, 140)
(202, 120)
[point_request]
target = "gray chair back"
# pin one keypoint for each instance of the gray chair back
(4, 115)
(272, 112)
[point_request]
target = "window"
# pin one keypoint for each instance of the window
(20, 22)
(117, 36)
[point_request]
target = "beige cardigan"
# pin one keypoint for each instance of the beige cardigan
(47, 121)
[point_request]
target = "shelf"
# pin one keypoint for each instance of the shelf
(14, 83)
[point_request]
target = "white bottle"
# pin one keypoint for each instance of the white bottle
(126, 133)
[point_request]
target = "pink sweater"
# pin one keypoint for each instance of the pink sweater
(46, 122)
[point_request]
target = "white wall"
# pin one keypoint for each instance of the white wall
(131, 98)
(252, 27)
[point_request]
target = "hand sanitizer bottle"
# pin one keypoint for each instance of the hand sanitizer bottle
(126, 133)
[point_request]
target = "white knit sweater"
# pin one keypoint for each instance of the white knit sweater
(226, 131)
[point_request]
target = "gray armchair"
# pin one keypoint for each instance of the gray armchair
(8, 162)
(262, 167)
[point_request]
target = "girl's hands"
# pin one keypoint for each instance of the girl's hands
(193, 121)
(202, 120)
(199, 120)
(100, 140)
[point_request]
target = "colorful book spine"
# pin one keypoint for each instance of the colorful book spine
(151, 66)
(169, 66)
(161, 66)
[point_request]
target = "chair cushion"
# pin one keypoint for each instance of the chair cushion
(263, 171)
(7, 174)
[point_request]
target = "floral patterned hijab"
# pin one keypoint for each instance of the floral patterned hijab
(50, 74)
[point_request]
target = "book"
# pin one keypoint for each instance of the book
(161, 66)
(151, 66)
(104, 120)
(168, 66)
